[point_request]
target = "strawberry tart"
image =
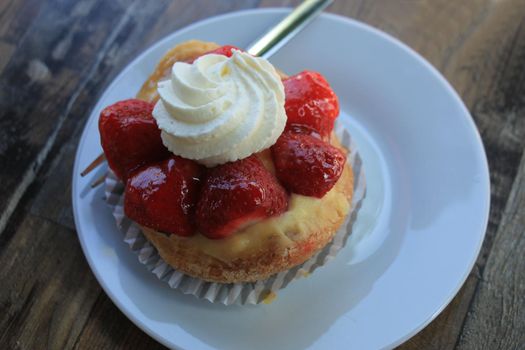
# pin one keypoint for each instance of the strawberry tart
(231, 168)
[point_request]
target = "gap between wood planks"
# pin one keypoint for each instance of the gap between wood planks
(34, 167)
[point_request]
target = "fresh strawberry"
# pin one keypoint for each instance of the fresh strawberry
(162, 196)
(225, 50)
(237, 194)
(302, 129)
(307, 165)
(130, 137)
(311, 101)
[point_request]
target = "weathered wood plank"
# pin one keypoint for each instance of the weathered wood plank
(488, 70)
(52, 66)
(108, 328)
(54, 178)
(24, 140)
(6, 51)
(14, 16)
(179, 14)
(497, 317)
(55, 183)
(50, 287)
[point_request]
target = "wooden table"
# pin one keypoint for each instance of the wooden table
(56, 57)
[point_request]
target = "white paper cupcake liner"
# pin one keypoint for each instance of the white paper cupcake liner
(235, 293)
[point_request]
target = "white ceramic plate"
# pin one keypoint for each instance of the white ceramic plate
(417, 235)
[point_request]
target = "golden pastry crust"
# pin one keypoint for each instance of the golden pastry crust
(186, 51)
(267, 247)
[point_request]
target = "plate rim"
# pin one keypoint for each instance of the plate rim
(280, 11)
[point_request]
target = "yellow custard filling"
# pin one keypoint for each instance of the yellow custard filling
(304, 216)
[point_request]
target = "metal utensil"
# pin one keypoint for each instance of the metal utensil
(285, 30)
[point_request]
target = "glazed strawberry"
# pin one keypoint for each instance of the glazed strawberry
(129, 136)
(311, 101)
(237, 194)
(302, 129)
(307, 165)
(225, 50)
(162, 196)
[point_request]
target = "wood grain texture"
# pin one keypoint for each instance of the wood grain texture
(496, 319)
(49, 68)
(109, 329)
(6, 51)
(57, 56)
(51, 290)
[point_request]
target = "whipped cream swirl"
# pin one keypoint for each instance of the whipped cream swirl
(221, 109)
